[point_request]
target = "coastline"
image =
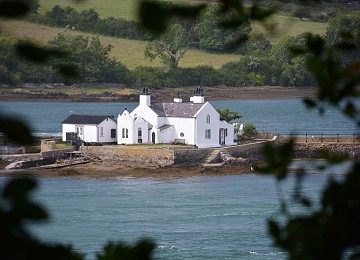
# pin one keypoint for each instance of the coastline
(159, 95)
(101, 172)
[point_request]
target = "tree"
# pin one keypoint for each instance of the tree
(227, 115)
(250, 130)
(91, 58)
(345, 31)
(88, 20)
(170, 47)
(301, 12)
(213, 37)
(34, 5)
(63, 17)
(291, 69)
(258, 45)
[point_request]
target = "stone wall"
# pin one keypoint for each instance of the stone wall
(130, 155)
(57, 152)
(37, 163)
(47, 145)
(188, 157)
(246, 150)
(314, 150)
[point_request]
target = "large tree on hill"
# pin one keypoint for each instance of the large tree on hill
(213, 37)
(345, 30)
(170, 47)
(91, 58)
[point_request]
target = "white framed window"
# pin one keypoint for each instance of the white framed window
(80, 130)
(207, 134)
(101, 131)
(125, 133)
(208, 119)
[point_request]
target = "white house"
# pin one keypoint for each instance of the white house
(89, 128)
(194, 123)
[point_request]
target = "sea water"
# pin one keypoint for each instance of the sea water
(278, 116)
(195, 218)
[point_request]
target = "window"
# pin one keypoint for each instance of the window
(225, 131)
(113, 133)
(207, 134)
(181, 134)
(139, 135)
(80, 130)
(125, 133)
(101, 131)
(208, 119)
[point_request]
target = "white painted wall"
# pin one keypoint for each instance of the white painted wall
(202, 125)
(229, 139)
(67, 128)
(91, 134)
(107, 125)
(185, 126)
(167, 136)
(125, 121)
(143, 125)
(147, 113)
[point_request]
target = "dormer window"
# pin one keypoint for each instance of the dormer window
(208, 119)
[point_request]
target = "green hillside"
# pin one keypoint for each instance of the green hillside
(117, 8)
(285, 25)
(129, 52)
(288, 26)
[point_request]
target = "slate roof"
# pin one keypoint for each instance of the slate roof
(84, 119)
(176, 109)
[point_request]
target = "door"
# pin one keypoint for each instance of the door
(80, 132)
(153, 137)
(222, 136)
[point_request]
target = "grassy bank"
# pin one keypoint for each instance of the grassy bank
(129, 52)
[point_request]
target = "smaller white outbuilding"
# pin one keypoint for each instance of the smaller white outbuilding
(89, 129)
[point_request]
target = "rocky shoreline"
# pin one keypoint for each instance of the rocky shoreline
(108, 168)
(118, 93)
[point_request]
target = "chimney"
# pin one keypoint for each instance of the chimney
(145, 98)
(198, 96)
(178, 99)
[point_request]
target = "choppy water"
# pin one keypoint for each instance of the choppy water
(196, 218)
(279, 116)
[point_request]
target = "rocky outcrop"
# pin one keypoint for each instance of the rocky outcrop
(314, 151)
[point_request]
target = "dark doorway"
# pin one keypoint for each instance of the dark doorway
(222, 136)
(153, 137)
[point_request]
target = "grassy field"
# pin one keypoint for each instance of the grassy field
(288, 26)
(126, 9)
(129, 52)
(117, 8)
(285, 25)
